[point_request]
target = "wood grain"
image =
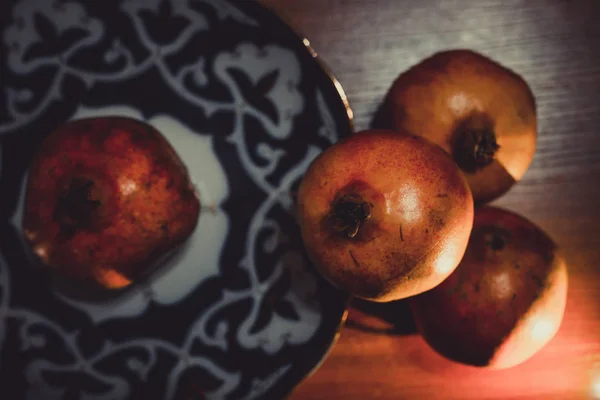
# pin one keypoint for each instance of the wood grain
(555, 46)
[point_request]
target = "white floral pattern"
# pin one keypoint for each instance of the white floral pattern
(272, 71)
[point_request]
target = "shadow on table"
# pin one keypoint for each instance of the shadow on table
(393, 318)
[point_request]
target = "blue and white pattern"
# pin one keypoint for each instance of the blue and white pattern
(240, 310)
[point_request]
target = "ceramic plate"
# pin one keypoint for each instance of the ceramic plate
(240, 313)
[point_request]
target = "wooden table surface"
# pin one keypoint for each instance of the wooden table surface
(555, 46)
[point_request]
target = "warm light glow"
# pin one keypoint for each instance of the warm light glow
(445, 263)
(110, 278)
(450, 256)
(458, 103)
(404, 201)
(541, 328)
(41, 251)
(595, 388)
(127, 186)
(502, 285)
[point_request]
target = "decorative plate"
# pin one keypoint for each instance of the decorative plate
(240, 313)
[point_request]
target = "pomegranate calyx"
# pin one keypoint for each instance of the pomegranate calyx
(76, 207)
(348, 214)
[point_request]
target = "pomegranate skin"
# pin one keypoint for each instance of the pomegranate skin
(420, 213)
(106, 199)
(482, 113)
(506, 299)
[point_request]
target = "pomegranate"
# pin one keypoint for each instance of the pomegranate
(479, 111)
(106, 199)
(384, 215)
(505, 300)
